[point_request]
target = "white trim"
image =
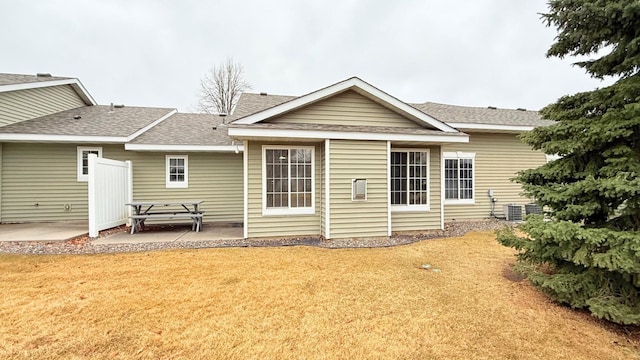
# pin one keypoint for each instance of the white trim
(407, 207)
(361, 87)
(92, 160)
(288, 210)
(81, 177)
(245, 184)
(327, 188)
(129, 190)
(410, 208)
(75, 83)
(176, 184)
(62, 138)
(389, 222)
(441, 188)
(343, 135)
(191, 148)
(461, 155)
(473, 126)
(156, 122)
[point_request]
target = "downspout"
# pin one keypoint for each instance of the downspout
(1, 172)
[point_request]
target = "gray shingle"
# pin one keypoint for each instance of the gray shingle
(187, 129)
(93, 121)
(13, 79)
(478, 115)
(250, 103)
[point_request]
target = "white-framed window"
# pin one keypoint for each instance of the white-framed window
(409, 175)
(83, 161)
(288, 180)
(177, 171)
(459, 177)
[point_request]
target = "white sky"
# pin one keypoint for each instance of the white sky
(153, 53)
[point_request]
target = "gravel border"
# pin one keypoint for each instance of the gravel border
(85, 246)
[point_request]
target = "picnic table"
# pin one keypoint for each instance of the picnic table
(165, 210)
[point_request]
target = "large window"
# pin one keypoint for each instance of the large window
(459, 177)
(409, 180)
(288, 180)
(83, 161)
(177, 171)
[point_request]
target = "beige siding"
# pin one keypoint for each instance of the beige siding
(271, 226)
(416, 221)
(347, 108)
(498, 158)
(46, 175)
(358, 160)
(16, 106)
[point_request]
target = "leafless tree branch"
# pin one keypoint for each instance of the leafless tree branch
(221, 87)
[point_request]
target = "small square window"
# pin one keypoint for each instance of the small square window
(83, 160)
(359, 190)
(177, 171)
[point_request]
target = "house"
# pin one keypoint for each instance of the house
(347, 160)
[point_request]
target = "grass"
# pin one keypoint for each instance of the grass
(292, 302)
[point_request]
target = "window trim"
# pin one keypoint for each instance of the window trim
(458, 155)
(289, 210)
(79, 150)
(176, 184)
(415, 207)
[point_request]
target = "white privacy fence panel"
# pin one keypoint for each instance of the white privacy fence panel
(110, 188)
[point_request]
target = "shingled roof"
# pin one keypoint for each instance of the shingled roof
(13, 79)
(96, 120)
(187, 129)
(478, 115)
(250, 103)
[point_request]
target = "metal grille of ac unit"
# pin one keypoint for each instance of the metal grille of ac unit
(532, 209)
(512, 212)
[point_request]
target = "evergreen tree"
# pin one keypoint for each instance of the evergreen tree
(588, 254)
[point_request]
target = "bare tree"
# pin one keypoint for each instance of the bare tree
(221, 87)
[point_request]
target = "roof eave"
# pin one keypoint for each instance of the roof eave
(345, 135)
(75, 83)
(491, 127)
(184, 148)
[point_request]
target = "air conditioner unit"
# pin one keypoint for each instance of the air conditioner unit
(513, 212)
(532, 209)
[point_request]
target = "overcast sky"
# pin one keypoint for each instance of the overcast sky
(153, 53)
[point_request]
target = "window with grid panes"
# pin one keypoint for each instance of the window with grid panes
(409, 178)
(458, 177)
(288, 178)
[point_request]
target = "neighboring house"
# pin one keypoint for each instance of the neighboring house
(348, 160)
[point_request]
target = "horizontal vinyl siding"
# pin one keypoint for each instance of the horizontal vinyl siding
(39, 179)
(498, 158)
(416, 221)
(214, 178)
(45, 174)
(272, 225)
(20, 105)
(347, 108)
(358, 160)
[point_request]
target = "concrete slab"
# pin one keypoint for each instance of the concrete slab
(55, 231)
(214, 233)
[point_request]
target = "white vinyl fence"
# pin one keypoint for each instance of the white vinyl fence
(110, 188)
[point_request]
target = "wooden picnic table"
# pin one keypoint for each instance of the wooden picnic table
(166, 210)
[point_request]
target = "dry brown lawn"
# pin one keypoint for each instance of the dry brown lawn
(292, 302)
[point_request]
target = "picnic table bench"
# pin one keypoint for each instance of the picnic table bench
(189, 210)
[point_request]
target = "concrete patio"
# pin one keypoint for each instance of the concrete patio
(62, 231)
(53, 231)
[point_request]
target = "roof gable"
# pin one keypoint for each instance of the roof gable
(14, 82)
(357, 85)
(347, 108)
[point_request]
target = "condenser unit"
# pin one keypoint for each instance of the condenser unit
(532, 209)
(513, 212)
